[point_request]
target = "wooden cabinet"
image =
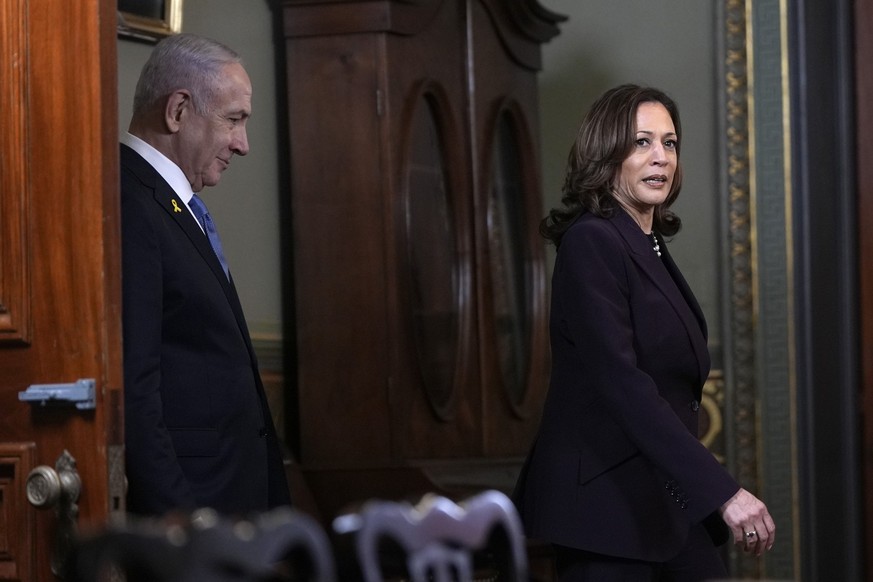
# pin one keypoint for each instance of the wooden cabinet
(419, 294)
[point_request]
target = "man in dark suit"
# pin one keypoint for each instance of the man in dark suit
(198, 431)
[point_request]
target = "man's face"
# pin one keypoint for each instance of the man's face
(208, 142)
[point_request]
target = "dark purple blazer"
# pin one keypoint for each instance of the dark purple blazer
(617, 467)
(198, 431)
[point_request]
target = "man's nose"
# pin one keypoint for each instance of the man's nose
(240, 145)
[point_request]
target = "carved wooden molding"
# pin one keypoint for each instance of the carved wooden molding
(522, 25)
(14, 195)
(17, 518)
(329, 17)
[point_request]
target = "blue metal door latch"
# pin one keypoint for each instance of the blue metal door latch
(80, 394)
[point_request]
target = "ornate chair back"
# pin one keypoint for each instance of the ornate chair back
(279, 545)
(441, 539)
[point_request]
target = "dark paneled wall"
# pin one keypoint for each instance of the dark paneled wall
(828, 418)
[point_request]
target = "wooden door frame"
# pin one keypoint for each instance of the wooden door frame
(61, 264)
(864, 151)
(825, 253)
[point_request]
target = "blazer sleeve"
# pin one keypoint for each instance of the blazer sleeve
(156, 481)
(599, 291)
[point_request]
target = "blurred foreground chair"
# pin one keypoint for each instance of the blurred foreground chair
(441, 541)
(281, 545)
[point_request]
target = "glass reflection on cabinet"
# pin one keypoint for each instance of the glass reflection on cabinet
(510, 280)
(432, 254)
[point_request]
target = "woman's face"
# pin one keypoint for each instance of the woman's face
(646, 175)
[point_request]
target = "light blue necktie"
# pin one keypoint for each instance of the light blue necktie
(205, 220)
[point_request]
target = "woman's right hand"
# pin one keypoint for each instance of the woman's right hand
(750, 522)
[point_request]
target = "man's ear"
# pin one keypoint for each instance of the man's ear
(178, 107)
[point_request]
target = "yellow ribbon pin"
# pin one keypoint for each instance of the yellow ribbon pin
(176, 206)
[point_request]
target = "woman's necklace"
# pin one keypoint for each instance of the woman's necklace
(655, 246)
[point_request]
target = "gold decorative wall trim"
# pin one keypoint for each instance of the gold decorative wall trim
(790, 298)
(760, 382)
(149, 21)
(712, 403)
(741, 265)
(740, 361)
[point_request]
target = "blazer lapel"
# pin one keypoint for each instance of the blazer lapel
(671, 283)
(170, 202)
(167, 198)
(173, 205)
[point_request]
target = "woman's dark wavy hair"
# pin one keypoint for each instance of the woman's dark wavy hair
(605, 139)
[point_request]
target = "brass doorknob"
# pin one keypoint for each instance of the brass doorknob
(47, 487)
(58, 489)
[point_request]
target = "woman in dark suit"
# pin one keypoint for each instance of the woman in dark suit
(617, 479)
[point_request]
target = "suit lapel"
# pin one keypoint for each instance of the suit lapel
(170, 202)
(173, 205)
(670, 282)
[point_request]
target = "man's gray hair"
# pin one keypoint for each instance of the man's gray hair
(182, 61)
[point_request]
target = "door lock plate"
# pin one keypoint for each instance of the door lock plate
(79, 394)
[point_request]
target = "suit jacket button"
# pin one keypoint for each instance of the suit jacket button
(262, 433)
(695, 405)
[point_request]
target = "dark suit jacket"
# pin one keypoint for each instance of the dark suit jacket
(617, 467)
(198, 431)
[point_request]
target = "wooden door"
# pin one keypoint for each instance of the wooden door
(59, 266)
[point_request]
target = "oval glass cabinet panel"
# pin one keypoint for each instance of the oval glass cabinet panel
(511, 289)
(432, 259)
